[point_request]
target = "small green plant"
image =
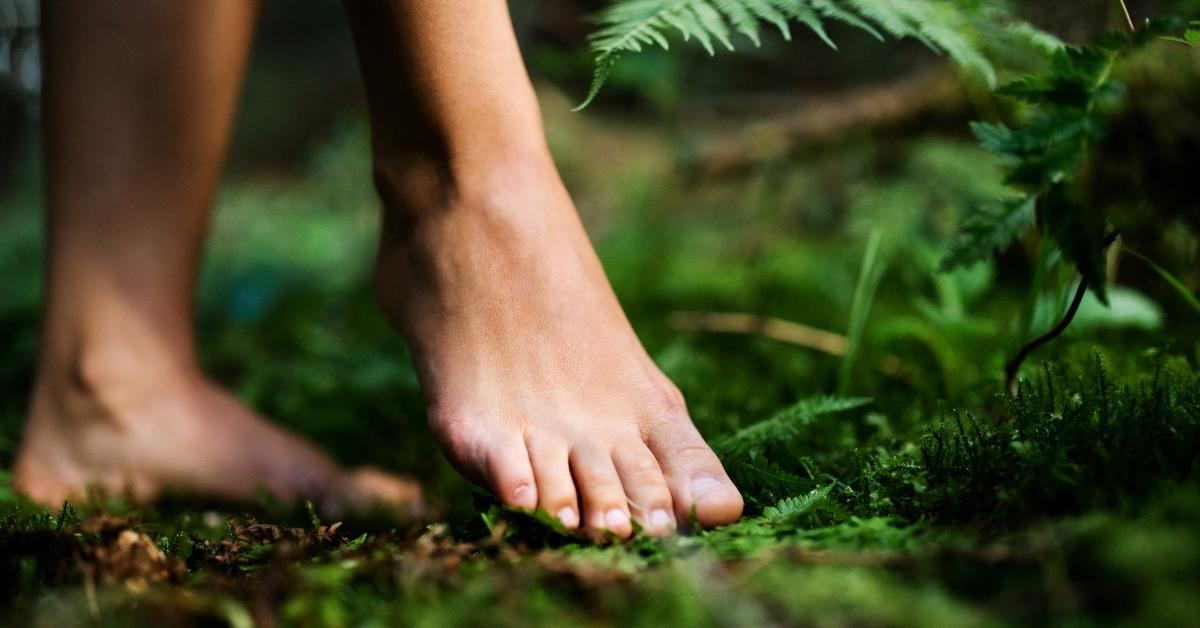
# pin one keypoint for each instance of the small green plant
(1046, 155)
(769, 459)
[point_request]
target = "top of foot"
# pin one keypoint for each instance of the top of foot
(537, 386)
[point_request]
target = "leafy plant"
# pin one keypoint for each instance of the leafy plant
(629, 26)
(1045, 157)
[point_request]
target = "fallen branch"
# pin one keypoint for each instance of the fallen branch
(933, 92)
(774, 328)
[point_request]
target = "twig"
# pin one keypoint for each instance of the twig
(774, 328)
(786, 123)
(1128, 18)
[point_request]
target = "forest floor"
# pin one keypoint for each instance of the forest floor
(896, 485)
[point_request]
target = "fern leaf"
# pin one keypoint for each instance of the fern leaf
(712, 21)
(807, 16)
(1034, 37)
(629, 26)
(771, 474)
(989, 231)
(599, 77)
(890, 15)
(832, 11)
(688, 26)
(789, 508)
(784, 424)
(742, 18)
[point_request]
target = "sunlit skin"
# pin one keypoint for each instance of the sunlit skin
(536, 385)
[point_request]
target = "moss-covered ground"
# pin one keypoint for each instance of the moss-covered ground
(897, 486)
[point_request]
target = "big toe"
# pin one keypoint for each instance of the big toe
(698, 482)
(716, 501)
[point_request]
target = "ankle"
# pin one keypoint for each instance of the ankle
(416, 190)
(109, 376)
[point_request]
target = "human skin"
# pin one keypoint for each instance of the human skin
(138, 101)
(535, 383)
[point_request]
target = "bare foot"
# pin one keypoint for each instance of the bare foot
(536, 384)
(173, 430)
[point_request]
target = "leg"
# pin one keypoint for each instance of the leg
(536, 385)
(139, 99)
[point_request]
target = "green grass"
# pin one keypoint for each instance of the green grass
(916, 497)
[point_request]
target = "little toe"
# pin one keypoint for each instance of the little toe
(604, 503)
(555, 488)
(509, 472)
(695, 476)
(649, 498)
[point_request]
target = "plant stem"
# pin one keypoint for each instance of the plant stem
(1128, 18)
(1014, 364)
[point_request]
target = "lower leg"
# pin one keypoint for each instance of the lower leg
(537, 386)
(138, 105)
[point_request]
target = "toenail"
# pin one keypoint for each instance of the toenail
(615, 517)
(661, 520)
(521, 492)
(702, 486)
(568, 517)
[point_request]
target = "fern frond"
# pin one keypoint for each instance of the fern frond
(784, 424)
(805, 15)
(836, 13)
(790, 508)
(745, 21)
(939, 25)
(629, 26)
(990, 231)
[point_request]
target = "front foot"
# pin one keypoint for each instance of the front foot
(536, 384)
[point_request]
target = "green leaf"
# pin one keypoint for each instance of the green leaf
(789, 509)
(990, 230)
(1172, 280)
(1079, 234)
(1126, 309)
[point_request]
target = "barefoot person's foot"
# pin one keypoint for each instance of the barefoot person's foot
(166, 430)
(536, 384)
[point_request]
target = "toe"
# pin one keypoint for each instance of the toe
(555, 488)
(695, 475)
(507, 470)
(368, 487)
(604, 502)
(646, 488)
